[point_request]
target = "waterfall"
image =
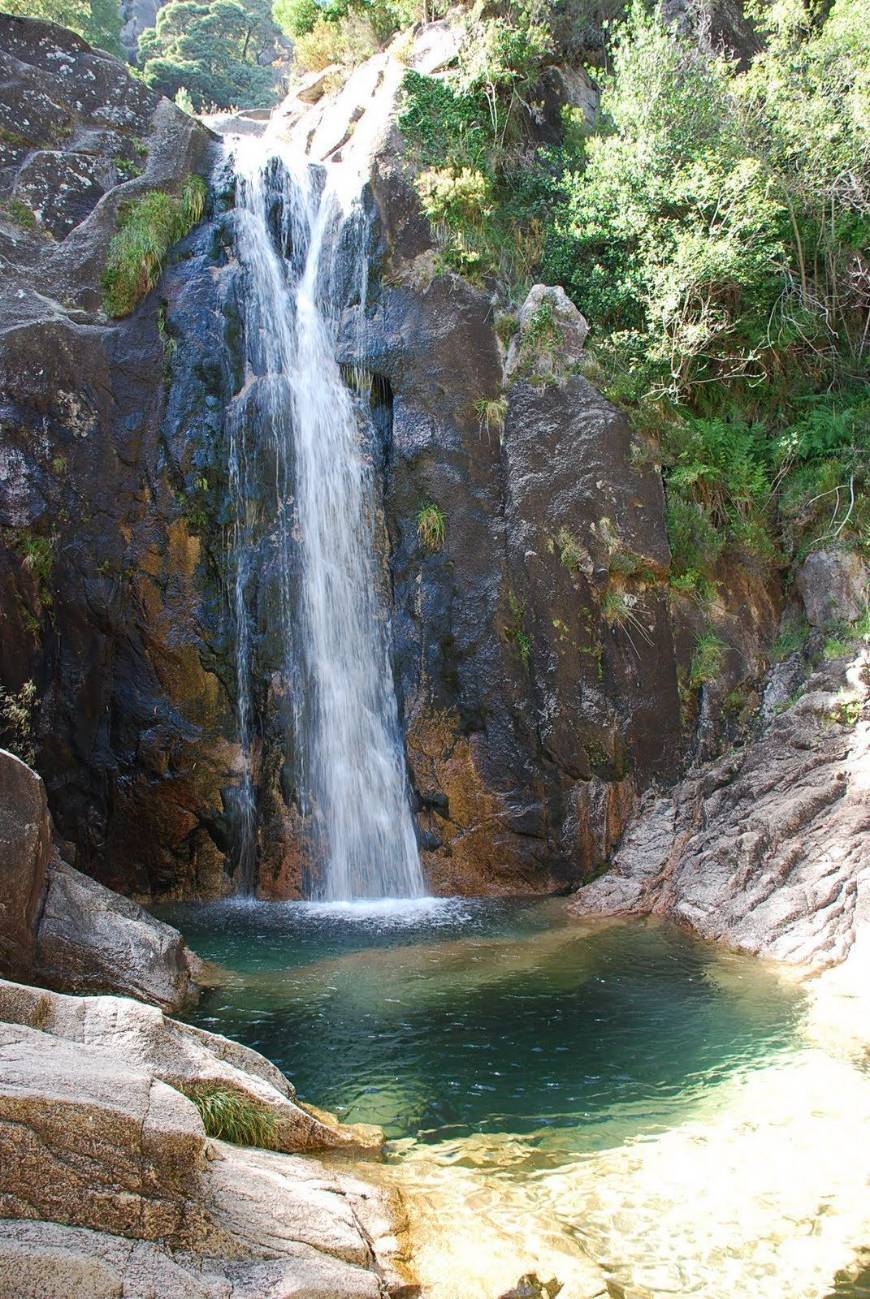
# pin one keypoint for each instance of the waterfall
(300, 251)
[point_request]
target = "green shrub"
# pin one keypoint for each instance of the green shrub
(16, 721)
(147, 229)
(431, 526)
(296, 17)
(459, 198)
(229, 1115)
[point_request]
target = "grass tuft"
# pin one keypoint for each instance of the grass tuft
(148, 229)
(491, 412)
(617, 610)
(571, 552)
(431, 526)
(230, 1116)
(707, 660)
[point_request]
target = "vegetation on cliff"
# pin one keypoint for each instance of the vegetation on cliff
(147, 230)
(712, 225)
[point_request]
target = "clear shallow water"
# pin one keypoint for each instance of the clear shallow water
(448, 1018)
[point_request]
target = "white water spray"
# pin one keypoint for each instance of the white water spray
(295, 241)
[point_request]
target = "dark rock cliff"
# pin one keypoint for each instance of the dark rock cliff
(101, 596)
(538, 653)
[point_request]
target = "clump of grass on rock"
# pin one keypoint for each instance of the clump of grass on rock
(229, 1116)
(147, 230)
(431, 526)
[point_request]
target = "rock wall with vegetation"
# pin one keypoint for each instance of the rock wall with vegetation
(100, 592)
(595, 494)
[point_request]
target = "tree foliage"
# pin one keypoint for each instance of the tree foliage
(218, 51)
(98, 21)
(713, 228)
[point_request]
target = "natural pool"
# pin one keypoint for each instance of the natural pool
(602, 1102)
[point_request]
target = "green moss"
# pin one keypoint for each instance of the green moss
(147, 230)
(230, 1116)
(20, 213)
(13, 139)
(514, 633)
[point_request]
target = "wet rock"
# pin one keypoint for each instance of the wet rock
(25, 850)
(765, 849)
(834, 586)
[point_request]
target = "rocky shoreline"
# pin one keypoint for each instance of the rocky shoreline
(545, 743)
(110, 1183)
(765, 848)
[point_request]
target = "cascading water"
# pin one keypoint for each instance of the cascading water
(294, 240)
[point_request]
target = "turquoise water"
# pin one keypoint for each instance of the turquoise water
(450, 1017)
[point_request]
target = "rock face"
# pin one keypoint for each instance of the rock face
(25, 849)
(64, 928)
(536, 654)
(108, 1179)
(104, 590)
(834, 586)
(768, 848)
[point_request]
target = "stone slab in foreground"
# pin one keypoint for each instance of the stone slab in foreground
(109, 1184)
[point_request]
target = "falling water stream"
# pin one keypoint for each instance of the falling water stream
(304, 252)
(616, 1105)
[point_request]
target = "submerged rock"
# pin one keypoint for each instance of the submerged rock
(766, 849)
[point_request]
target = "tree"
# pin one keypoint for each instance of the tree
(98, 21)
(296, 17)
(218, 51)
